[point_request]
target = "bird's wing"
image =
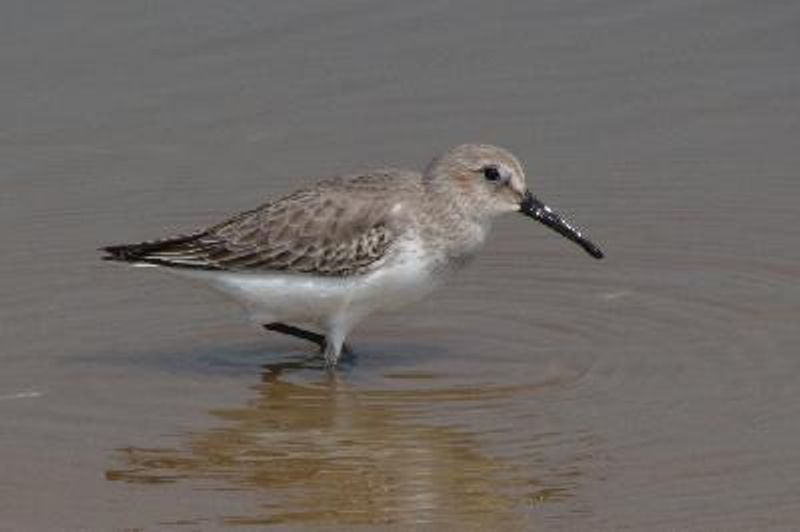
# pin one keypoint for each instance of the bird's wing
(340, 227)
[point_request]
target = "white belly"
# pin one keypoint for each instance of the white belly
(320, 301)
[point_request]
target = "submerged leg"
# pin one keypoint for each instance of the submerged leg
(297, 332)
(334, 342)
(333, 350)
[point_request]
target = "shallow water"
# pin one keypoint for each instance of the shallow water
(657, 389)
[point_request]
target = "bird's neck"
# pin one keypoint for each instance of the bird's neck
(451, 228)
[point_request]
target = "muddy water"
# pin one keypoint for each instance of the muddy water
(656, 390)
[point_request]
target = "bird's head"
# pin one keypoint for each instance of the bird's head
(487, 181)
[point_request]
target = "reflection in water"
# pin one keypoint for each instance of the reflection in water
(325, 452)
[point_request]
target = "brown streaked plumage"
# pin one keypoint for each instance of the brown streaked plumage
(331, 254)
(339, 227)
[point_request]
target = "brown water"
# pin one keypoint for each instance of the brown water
(656, 390)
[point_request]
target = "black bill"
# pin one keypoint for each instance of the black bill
(531, 206)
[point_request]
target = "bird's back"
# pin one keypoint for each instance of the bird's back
(339, 227)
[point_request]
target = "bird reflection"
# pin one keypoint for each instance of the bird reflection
(317, 450)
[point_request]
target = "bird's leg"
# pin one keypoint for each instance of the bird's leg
(304, 334)
(334, 343)
(332, 351)
(297, 332)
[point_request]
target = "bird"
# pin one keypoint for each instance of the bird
(318, 261)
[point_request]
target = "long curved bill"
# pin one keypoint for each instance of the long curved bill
(531, 206)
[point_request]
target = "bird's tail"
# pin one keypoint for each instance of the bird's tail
(179, 251)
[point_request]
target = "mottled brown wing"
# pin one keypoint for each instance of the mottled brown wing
(338, 228)
(306, 232)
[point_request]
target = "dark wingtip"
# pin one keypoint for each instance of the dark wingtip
(150, 253)
(112, 252)
(123, 253)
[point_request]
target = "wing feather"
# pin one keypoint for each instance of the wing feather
(340, 227)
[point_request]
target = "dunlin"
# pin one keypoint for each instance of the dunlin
(317, 262)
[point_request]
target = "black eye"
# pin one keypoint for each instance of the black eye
(491, 173)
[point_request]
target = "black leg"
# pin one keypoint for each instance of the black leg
(297, 332)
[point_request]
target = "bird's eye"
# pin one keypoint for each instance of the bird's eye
(491, 173)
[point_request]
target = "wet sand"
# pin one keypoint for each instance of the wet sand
(655, 390)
